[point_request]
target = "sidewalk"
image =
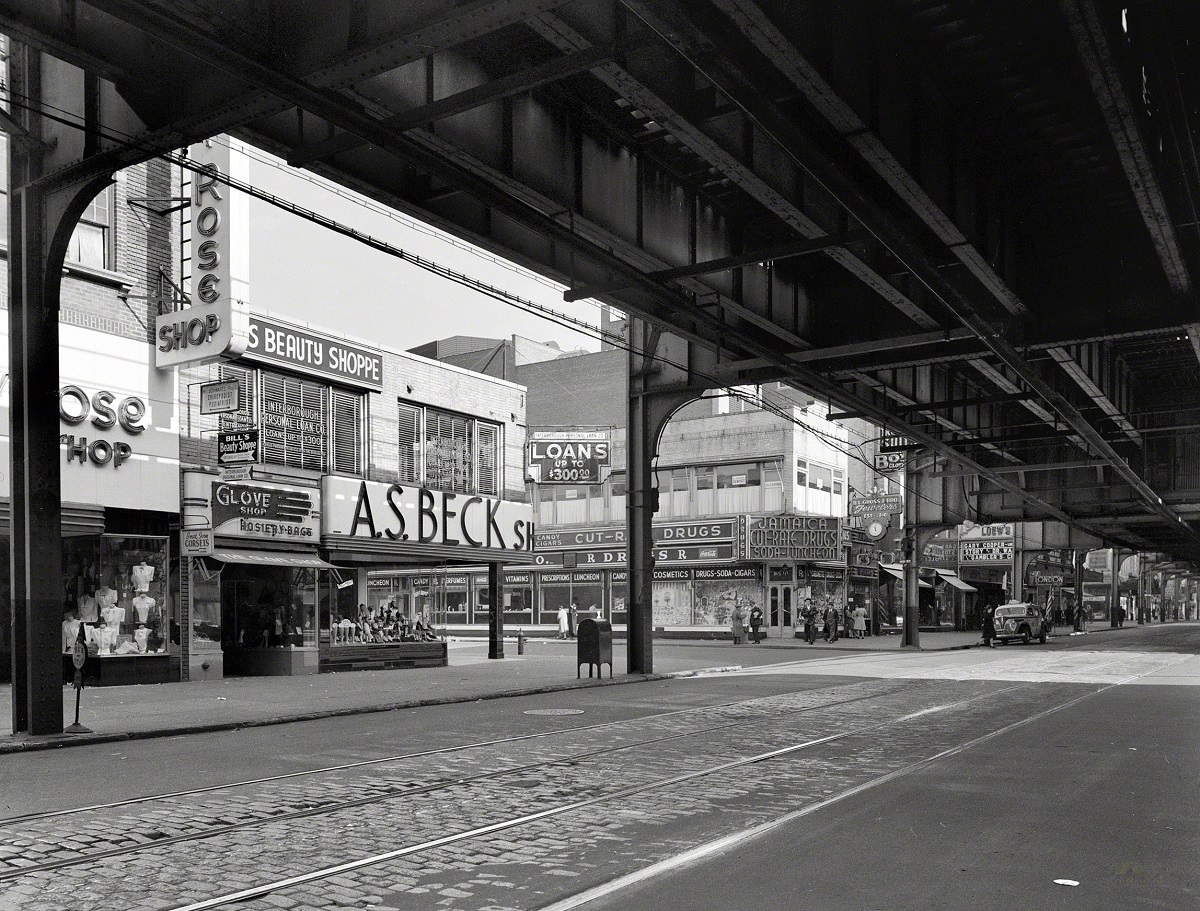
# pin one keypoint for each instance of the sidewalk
(155, 710)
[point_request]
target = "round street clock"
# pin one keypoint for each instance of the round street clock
(876, 528)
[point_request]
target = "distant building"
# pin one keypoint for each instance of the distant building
(753, 488)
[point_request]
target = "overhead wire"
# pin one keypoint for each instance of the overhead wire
(130, 141)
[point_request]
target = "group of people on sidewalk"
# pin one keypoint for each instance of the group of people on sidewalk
(738, 622)
(855, 622)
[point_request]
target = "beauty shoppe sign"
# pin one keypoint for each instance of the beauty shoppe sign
(408, 519)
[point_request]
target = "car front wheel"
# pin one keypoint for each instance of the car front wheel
(1025, 637)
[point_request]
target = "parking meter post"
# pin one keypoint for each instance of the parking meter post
(79, 655)
(520, 641)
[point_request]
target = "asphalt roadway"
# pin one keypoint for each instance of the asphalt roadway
(755, 777)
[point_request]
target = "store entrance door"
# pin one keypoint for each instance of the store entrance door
(780, 600)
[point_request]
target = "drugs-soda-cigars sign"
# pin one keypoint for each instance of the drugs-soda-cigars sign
(405, 513)
(264, 511)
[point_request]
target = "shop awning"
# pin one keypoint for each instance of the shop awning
(954, 581)
(895, 569)
(271, 558)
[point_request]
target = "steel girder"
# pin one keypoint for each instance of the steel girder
(972, 280)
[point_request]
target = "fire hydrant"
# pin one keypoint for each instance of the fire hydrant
(520, 642)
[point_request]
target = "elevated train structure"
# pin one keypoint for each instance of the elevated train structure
(976, 224)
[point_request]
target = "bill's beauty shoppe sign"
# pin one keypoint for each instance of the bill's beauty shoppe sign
(405, 519)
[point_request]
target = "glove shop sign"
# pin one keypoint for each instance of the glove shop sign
(269, 512)
(373, 515)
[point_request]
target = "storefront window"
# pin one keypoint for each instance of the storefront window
(518, 598)
(672, 598)
(268, 606)
(116, 589)
(587, 590)
(716, 599)
(556, 593)
(619, 595)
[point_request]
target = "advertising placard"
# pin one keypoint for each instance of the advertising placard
(196, 542)
(417, 516)
(307, 352)
(614, 535)
(879, 504)
(220, 397)
(797, 538)
(569, 456)
(886, 462)
(236, 446)
(265, 511)
(996, 550)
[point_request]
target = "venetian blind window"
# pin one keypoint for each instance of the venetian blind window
(449, 459)
(347, 437)
(410, 444)
(487, 441)
(448, 451)
(293, 418)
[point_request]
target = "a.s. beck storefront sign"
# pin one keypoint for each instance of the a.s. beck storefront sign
(405, 518)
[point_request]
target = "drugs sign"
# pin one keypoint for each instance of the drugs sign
(569, 457)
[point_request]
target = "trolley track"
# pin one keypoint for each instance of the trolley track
(568, 767)
(244, 898)
(154, 836)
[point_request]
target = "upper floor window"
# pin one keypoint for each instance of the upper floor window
(301, 424)
(448, 451)
(91, 244)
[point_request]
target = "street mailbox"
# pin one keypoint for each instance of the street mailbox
(594, 640)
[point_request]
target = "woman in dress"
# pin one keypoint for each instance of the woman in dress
(564, 621)
(737, 624)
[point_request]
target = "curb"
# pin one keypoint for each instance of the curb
(12, 744)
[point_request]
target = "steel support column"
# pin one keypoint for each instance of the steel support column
(42, 218)
(649, 411)
(495, 611)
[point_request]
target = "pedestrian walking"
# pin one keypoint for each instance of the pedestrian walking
(989, 625)
(860, 622)
(572, 619)
(756, 622)
(564, 622)
(831, 624)
(737, 624)
(809, 613)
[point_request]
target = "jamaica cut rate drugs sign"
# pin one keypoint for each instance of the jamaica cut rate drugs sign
(568, 456)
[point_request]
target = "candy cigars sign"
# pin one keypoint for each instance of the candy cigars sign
(419, 516)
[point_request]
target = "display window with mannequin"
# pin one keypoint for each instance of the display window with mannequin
(115, 586)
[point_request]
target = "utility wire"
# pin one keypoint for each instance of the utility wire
(130, 141)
